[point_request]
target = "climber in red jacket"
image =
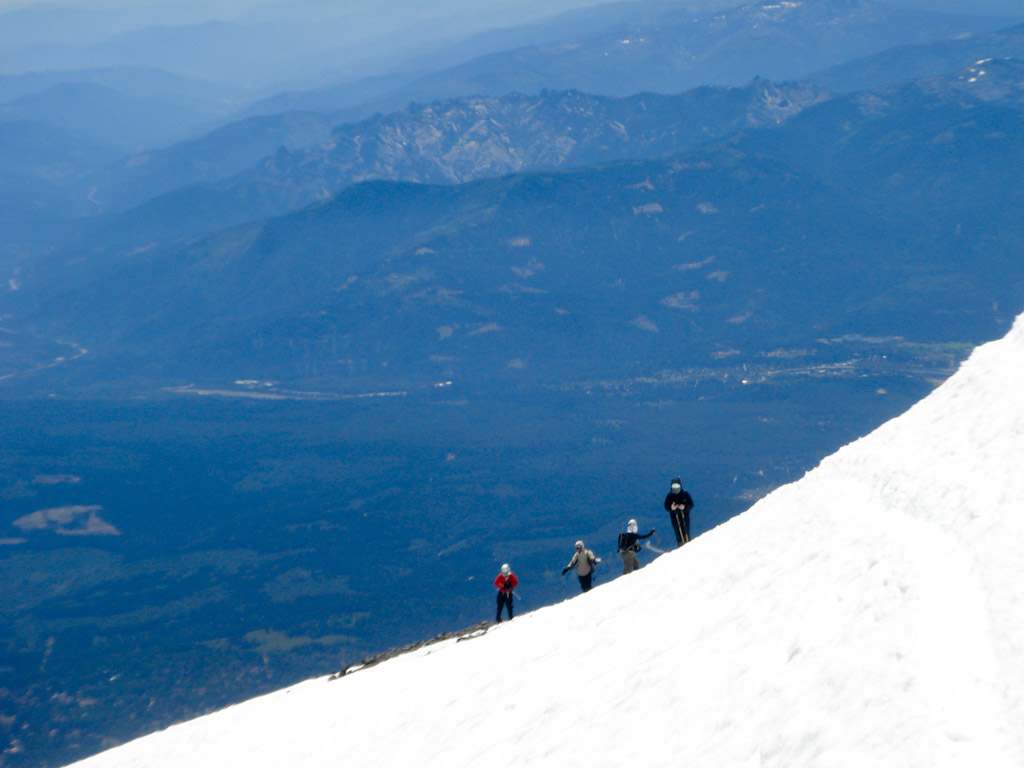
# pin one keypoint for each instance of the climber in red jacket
(505, 582)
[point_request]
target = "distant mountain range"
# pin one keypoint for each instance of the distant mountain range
(913, 62)
(214, 157)
(105, 115)
(448, 142)
(665, 48)
(878, 212)
(240, 147)
(111, 106)
(147, 83)
(257, 46)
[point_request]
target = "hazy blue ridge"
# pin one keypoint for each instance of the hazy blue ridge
(718, 248)
(912, 62)
(213, 157)
(668, 49)
(448, 142)
(202, 96)
(46, 152)
(104, 115)
(472, 279)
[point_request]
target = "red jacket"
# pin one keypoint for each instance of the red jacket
(506, 584)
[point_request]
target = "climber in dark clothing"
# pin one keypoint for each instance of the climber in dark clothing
(678, 504)
(629, 545)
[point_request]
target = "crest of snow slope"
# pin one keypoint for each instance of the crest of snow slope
(871, 614)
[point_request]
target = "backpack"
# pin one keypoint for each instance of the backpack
(623, 542)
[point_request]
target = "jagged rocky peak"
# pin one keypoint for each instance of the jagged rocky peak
(463, 139)
(781, 101)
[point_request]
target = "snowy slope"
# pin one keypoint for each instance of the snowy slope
(871, 614)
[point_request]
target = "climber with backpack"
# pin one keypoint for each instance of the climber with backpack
(584, 561)
(629, 546)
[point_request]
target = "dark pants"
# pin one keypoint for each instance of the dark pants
(586, 582)
(504, 600)
(681, 526)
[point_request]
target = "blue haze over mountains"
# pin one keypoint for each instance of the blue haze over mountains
(297, 346)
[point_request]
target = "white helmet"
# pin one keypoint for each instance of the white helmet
(631, 526)
(505, 569)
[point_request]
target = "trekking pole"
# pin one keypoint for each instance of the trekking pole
(653, 548)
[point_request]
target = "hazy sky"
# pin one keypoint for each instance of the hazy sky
(240, 6)
(132, 14)
(272, 42)
(525, 7)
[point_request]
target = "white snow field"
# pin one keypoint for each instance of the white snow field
(871, 614)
